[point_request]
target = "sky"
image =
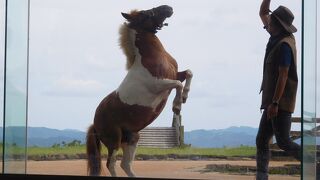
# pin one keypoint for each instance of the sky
(75, 59)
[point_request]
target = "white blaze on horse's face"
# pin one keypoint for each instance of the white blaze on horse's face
(139, 82)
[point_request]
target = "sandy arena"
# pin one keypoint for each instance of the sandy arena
(183, 169)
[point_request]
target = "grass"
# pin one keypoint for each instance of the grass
(58, 150)
(237, 151)
(187, 152)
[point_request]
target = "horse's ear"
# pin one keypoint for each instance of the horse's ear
(125, 15)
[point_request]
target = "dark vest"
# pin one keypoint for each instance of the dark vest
(271, 73)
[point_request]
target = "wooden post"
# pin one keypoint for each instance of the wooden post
(176, 120)
(181, 135)
(176, 123)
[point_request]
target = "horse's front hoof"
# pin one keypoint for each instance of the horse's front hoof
(176, 110)
(185, 94)
(184, 99)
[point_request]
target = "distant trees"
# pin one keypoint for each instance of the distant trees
(73, 143)
(56, 145)
(7, 144)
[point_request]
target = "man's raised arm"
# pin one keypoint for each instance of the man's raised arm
(264, 11)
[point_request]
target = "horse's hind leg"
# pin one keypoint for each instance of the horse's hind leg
(111, 161)
(128, 157)
(113, 144)
(129, 149)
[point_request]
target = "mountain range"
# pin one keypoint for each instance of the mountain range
(216, 138)
(46, 137)
(41, 136)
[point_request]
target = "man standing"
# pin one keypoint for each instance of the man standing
(279, 86)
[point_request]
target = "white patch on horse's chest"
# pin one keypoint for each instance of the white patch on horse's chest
(140, 87)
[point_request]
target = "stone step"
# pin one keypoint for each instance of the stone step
(158, 137)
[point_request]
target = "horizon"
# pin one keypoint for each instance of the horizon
(85, 131)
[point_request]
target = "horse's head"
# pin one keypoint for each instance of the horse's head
(149, 20)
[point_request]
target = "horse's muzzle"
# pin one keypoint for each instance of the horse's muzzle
(164, 10)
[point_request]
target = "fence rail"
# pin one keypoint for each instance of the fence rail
(297, 134)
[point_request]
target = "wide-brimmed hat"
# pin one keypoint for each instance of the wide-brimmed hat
(285, 17)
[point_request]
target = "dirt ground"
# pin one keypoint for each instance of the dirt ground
(183, 169)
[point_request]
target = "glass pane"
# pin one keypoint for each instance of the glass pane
(16, 63)
(2, 44)
(318, 71)
(309, 88)
(75, 61)
(318, 90)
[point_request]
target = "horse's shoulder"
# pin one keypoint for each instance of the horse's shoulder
(171, 60)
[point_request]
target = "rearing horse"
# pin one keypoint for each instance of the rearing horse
(142, 95)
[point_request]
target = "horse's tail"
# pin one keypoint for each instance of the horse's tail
(93, 152)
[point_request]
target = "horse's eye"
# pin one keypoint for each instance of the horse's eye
(148, 13)
(143, 17)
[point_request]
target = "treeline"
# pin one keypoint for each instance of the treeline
(73, 143)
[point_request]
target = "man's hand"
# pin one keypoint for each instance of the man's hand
(272, 111)
(264, 11)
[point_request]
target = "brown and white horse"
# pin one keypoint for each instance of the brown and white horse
(142, 95)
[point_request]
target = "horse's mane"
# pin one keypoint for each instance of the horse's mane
(127, 39)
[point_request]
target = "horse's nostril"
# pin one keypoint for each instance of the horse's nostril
(170, 13)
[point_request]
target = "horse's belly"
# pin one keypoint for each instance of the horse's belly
(112, 111)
